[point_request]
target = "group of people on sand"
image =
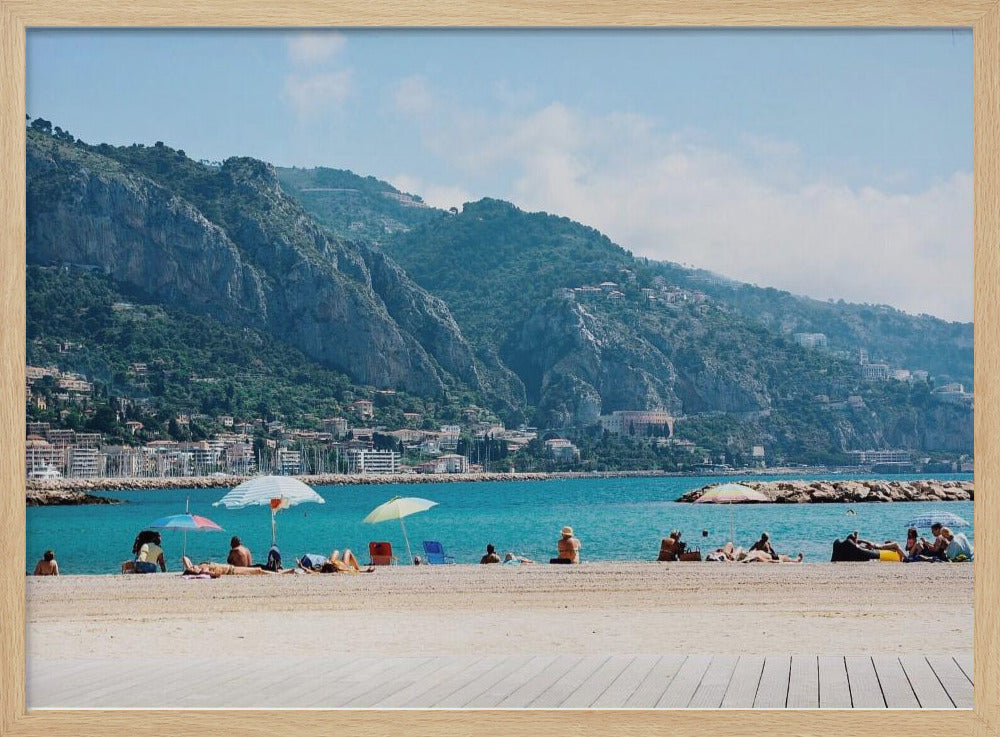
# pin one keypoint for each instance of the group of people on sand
(148, 558)
(672, 548)
(944, 546)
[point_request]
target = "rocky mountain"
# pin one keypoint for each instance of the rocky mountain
(227, 242)
(540, 317)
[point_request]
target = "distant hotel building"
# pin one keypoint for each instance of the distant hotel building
(637, 422)
(874, 457)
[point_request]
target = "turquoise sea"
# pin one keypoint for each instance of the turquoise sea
(616, 519)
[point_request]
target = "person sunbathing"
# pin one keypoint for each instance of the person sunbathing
(215, 570)
(868, 545)
(762, 556)
(727, 553)
(311, 563)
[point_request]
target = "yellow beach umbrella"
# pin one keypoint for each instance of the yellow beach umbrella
(397, 508)
(731, 494)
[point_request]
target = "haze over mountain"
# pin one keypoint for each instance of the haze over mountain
(539, 317)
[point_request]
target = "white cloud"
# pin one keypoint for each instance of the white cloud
(313, 93)
(412, 97)
(749, 213)
(315, 47)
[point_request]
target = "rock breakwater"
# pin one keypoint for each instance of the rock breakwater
(63, 497)
(819, 492)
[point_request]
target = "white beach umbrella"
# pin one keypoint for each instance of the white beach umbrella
(397, 508)
(277, 492)
(731, 494)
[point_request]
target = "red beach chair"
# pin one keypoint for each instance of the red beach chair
(381, 554)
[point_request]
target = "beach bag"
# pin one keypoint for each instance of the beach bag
(691, 555)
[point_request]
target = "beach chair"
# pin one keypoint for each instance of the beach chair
(381, 554)
(434, 553)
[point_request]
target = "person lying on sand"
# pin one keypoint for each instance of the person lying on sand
(312, 563)
(727, 553)
(759, 556)
(215, 570)
(512, 559)
(868, 545)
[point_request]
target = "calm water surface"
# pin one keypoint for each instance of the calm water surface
(616, 519)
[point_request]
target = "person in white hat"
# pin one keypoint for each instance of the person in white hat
(568, 547)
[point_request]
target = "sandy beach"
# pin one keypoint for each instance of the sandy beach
(533, 609)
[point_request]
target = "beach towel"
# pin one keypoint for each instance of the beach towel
(312, 560)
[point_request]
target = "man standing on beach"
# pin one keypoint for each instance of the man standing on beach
(239, 554)
(568, 546)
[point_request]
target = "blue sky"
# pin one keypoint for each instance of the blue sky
(832, 163)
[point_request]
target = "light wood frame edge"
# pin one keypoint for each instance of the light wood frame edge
(17, 15)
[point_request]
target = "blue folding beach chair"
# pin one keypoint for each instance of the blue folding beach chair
(434, 553)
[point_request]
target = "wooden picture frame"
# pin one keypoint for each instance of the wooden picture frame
(983, 16)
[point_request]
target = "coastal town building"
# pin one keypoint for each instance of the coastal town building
(336, 426)
(289, 462)
(372, 461)
(363, 408)
(451, 463)
(562, 449)
(881, 457)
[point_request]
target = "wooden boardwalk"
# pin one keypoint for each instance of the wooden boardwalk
(510, 681)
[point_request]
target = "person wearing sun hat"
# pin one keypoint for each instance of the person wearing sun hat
(568, 547)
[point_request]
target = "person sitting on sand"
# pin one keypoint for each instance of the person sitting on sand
(491, 555)
(48, 566)
(148, 553)
(671, 547)
(913, 547)
(215, 570)
(312, 563)
(512, 559)
(939, 547)
(568, 547)
(764, 546)
(959, 548)
(239, 554)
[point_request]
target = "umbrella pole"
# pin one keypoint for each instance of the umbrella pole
(409, 553)
(732, 527)
(184, 543)
(273, 529)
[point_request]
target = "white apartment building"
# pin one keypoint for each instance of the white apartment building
(637, 422)
(372, 461)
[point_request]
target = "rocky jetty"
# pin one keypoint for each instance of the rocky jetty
(819, 492)
(63, 497)
(40, 487)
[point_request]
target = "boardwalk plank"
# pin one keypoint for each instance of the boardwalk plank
(404, 675)
(336, 690)
(513, 681)
(834, 689)
(655, 683)
(685, 683)
(562, 689)
(107, 684)
(743, 685)
(450, 684)
(448, 667)
(954, 681)
(772, 692)
(965, 662)
(627, 682)
(599, 681)
(478, 687)
(895, 685)
(866, 692)
(535, 686)
(803, 683)
(930, 693)
(714, 683)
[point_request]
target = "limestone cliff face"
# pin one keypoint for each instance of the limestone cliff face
(257, 260)
(576, 364)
